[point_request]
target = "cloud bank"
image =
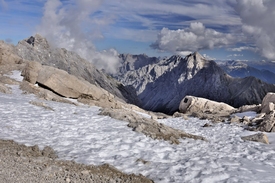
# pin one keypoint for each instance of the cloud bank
(258, 24)
(194, 38)
(69, 25)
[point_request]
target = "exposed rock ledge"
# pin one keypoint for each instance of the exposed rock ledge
(148, 126)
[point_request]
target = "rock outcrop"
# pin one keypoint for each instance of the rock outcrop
(66, 85)
(268, 103)
(148, 126)
(206, 109)
(191, 104)
(162, 85)
(259, 137)
(40, 50)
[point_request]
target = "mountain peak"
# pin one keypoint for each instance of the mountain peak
(195, 61)
(196, 56)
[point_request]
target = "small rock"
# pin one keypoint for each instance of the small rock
(235, 119)
(68, 180)
(142, 161)
(245, 120)
(259, 137)
(207, 125)
(85, 172)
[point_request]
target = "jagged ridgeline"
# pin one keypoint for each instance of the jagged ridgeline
(161, 85)
(37, 48)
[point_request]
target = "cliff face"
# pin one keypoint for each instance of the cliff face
(161, 86)
(38, 49)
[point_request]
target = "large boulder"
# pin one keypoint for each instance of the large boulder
(268, 122)
(191, 105)
(67, 85)
(268, 103)
(30, 72)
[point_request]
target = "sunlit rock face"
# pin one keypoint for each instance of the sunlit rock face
(38, 49)
(162, 85)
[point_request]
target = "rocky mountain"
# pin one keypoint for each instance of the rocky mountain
(134, 62)
(38, 49)
(243, 69)
(161, 86)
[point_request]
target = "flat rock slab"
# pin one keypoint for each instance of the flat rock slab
(259, 137)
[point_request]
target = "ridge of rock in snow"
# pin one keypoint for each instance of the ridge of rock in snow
(38, 49)
(161, 86)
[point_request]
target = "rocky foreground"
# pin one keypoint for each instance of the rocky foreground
(19, 163)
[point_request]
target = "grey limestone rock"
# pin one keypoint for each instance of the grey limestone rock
(60, 58)
(148, 126)
(259, 137)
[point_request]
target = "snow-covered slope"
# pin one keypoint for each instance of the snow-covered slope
(78, 133)
(161, 86)
(243, 69)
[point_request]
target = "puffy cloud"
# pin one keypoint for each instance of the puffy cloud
(258, 24)
(70, 26)
(196, 37)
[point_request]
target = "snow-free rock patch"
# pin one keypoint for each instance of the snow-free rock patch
(259, 137)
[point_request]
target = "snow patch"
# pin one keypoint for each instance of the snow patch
(78, 133)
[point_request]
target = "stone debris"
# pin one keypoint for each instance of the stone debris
(20, 163)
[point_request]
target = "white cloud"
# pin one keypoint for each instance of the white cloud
(194, 38)
(235, 55)
(183, 53)
(242, 48)
(258, 23)
(209, 57)
(70, 26)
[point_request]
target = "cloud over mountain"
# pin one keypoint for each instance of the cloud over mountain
(194, 38)
(258, 24)
(63, 24)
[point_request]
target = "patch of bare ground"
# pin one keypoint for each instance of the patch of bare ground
(19, 163)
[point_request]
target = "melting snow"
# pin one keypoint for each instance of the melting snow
(78, 133)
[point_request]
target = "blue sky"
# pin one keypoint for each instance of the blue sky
(219, 29)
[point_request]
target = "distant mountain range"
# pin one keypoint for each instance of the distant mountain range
(162, 84)
(261, 70)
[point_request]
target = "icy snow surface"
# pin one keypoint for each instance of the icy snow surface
(79, 133)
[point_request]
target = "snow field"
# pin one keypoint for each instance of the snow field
(78, 133)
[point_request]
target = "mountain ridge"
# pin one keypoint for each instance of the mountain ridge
(161, 86)
(37, 48)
